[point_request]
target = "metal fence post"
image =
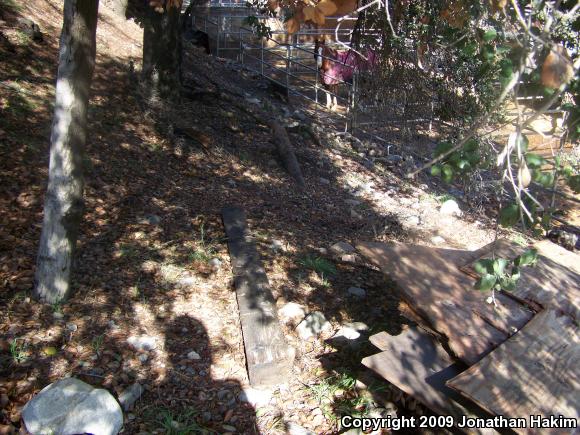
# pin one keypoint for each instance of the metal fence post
(262, 56)
(288, 54)
(218, 30)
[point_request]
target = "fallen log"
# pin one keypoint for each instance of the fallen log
(287, 153)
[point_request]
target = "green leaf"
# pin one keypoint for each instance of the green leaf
(447, 173)
(527, 258)
(535, 160)
(442, 147)
(574, 183)
(490, 35)
(436, 170)
(470, 146)
(516, 273)
(469, 49)
(523, 142)
(463, 164)
(499, 265)
(484, 266)
(509, 215)
(546, 179)
(486, 282)
(508, 284)
(49, 351)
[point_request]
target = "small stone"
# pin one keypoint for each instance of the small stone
(277, 245)
(352, 202)
(223, 394)
(231, 183)
(348, 333)
(58, 315)
(143, 357)
(341, 248)
(187, 281)
(357, 326)
(413, 220)
(143, 342)
(450, 208)
(150, 220)
(312, 325)
(215, 263)
(193, 355)
(129, 396)
(354, 214)
(437, 240)
(72, 406)
(72, 327)
(318, 419)
(255, 397)
(295, 429)
(229, 428)
(348, 258)
(357, 292)
(325, 181)
(292, 311)
(253, 101)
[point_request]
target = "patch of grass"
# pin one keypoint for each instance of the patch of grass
(56, 307)
(338, 396)
(18, 350)
(176, 423)
(205, 250)
(11, 5)
(319, 265)
(97, 344)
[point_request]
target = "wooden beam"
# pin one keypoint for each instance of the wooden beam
(535, 372)
(440, 294)
(268, 356)
(415, 363)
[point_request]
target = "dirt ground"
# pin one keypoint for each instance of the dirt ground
(152, 228)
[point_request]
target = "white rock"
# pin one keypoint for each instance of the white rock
(349, 333)
(292, 311)
(312, 325)
(437, 240)
(341, 248)
(143, 342)
(193, 355)
(215, 263)
(255, 397)
(450, 207)
(357, 292)
(277, 245)
(70, 406)
(295, 429)
(413, 220)
(357, 326)
(129, 396)
(72, 327)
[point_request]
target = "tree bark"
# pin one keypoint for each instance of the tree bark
(63, 204)
(161, 53)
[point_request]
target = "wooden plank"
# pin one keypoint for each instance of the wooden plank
(419, 366)
(554, 281)
(432, 284)
(535, 372)
(268, 356)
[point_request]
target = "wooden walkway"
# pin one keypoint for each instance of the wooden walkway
(522, 357)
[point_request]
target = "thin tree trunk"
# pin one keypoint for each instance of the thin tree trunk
(161, 54)
(63, 204)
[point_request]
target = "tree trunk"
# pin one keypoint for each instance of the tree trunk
(63, 204)
(161, 54)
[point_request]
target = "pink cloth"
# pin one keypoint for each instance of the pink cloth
(350, 61)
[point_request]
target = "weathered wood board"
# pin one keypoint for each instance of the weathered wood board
(268, 355)
(536, 371)
(432, 284)
(554, 281)
(420, 367)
